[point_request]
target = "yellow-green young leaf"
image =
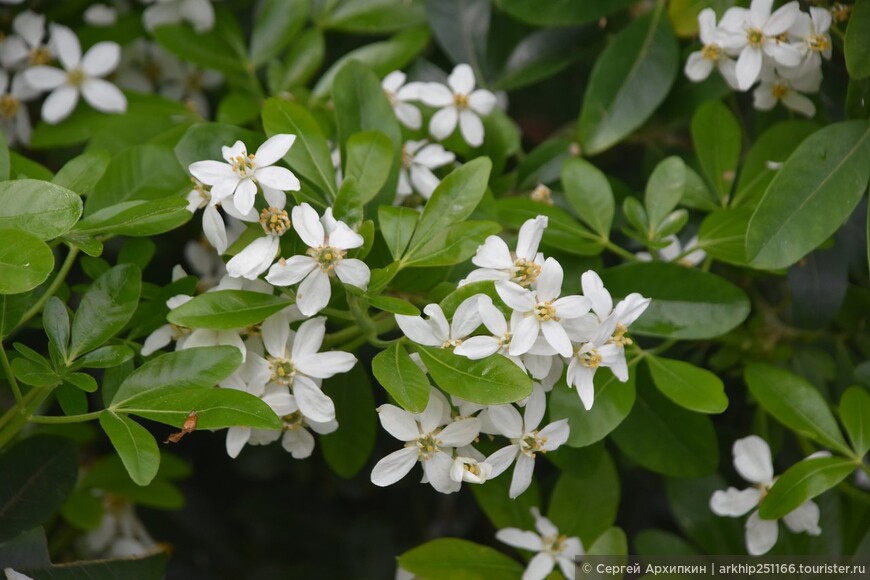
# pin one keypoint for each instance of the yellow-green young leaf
(452, 558)
(490, 381)
(855, 415)
(590, 194)
(563, 232)
(560, 12)
(803, 481)
(401, 378)
(369, 161)
(795, 403)
(105, 308)
(584, 504)
(684, 13)
(811, 196)
(25, 261)
(629, 81)
(857, 44)
(41, 208)
(688, 386)
(717, 137)
(81, 174)
(394, 305)
(227, 309)
(136, 218)
(134, 444)
(347, 449)
(275, 24)
(613, 402)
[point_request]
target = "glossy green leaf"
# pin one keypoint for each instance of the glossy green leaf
(688, 386)
(803, 481)
(81, 174)
(795, 403)
(455, 245)
(309, 158)
(347, 450)
(397, 225)
(25, 261)
(36, 476)
(611, 543)
(686, 303)
(227, 309)
(490, 381)
(105, 357)
(504, 512)
(717, 138)
(585, 505)
(134, 444)
(684, 13)
(401, 378)
(82, 381)
(374, 16)
(41, 208)
(192, 368)
(811, 196)
(34, 373)
(303, 59)
(629, 81)
(589, 193)
(204, 141)
(452, 558)
(664, 190)
(276, 22)
(723, 234)
(136, 218)
(613, 402)
(855, 415)
(665, 438)
(221, 48)
(55, 320)
(105, 308)
(857, 42)
(369, 161)
(689, 501)
(563, 233)
(560, 12)
(540, 55)
(394, 305)
(465, 43)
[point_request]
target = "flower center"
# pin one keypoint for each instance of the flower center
(282, 370)
(779, 90)
(254, 329)
(472, 468)
(407, 158)
(275, 221)
(755, 37)
(554, 544)
(451, 343)
(293, 421)
(591, 359)
(391, 96)
(525, 272)
(619, 338)
(193, 82)
(427, 445)
(40, 55)
(460, 100)
(711, 52)
(818, 43)
(244, 166)
(545, 311)
(542, 194)
(840, 12)
(327, 257)
(505, 339)
(75, 77)
(179, 331)
(532, 443)
(9, 106)
(152, 71)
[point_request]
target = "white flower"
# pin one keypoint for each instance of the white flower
(418, 161)
(256, 257)
(328, 241)
(811, 30)
(497, 262)
(205, 262)
(542, 309)
(26, 46)
(436, 331)
(9, 573)
(700, 63)
(199, 13)
(775, 88)
(753, 462)
(100, 15)
(693, 255)
(756, 35)
(458, 103)
(120, 533)
(187, 84)
(213, 225)
(427, 441)
(399, 94)
(470, 470)
(242, 172)
(81, 75)
(552, 547)
(526, 439)
(168, 333)
(14, 118)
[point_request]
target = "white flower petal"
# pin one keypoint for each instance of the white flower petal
(273, 149)
(66, 46)
(307, 224)
(443, 123)
(104, 96)
(277, 177)
(437, 470)
(298, 442)
(44, 78)
(761, 535)
(237, 437)
(506, 419)
(461, 80)
(314, 293)
(523, 539)
(394, 466)
(246, 193)
(804, 518)
(477, 347)
(734, 502)
(461, 432)
(522, 477)
(313, 403)
(291, 270)
(398, 422)
(471, 128)
(59, 104)
(101, 59)
(752, 459)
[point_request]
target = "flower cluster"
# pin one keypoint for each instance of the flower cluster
(551, 547)
(782, 49)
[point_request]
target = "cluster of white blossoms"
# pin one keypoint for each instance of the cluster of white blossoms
(782, 50)
(197, 13)
(551, 548)
(753, 462)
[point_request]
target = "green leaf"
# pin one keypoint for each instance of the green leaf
(855, 415)
(811, 196)
(795, 403)
(309, 158)
(34, 373)
(611, 543)
(397, 225)
(394, 305)
(192, 368)
(452, 202)
(560, 12)
(803, 481)
(540, 55)
(684, 13)
(276, 22)
(589, 193)
(686, 303)
(105, 357)
(455, 559)
(689, 501)
(661, 543)
(664, 190)
(613, 403)
(55, 320)
(585, 505)
(723, 234)
(302, 61)
(204, 141)
(490, 381)
(665, 438)
(82, 381)
(628, 82)
(857, 43)
(81, 174)
(5, 163)
(504, 512)
(466, 43)
(134, 444)
(222, 48)
(717, 138)
(374, 16)
(136, 218)
(688, 386)
(348, 449)
(105, 308)
(227, 309)
(563, 233)
(455, 245)
(25, 261)
(401, 378)
(36, 476)
(369, 160)
(41, 208)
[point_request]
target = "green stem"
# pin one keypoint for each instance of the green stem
(619, 251)
(65, 419)
(34, 399)
(10, 376)
(52, 288)
(340, 336)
